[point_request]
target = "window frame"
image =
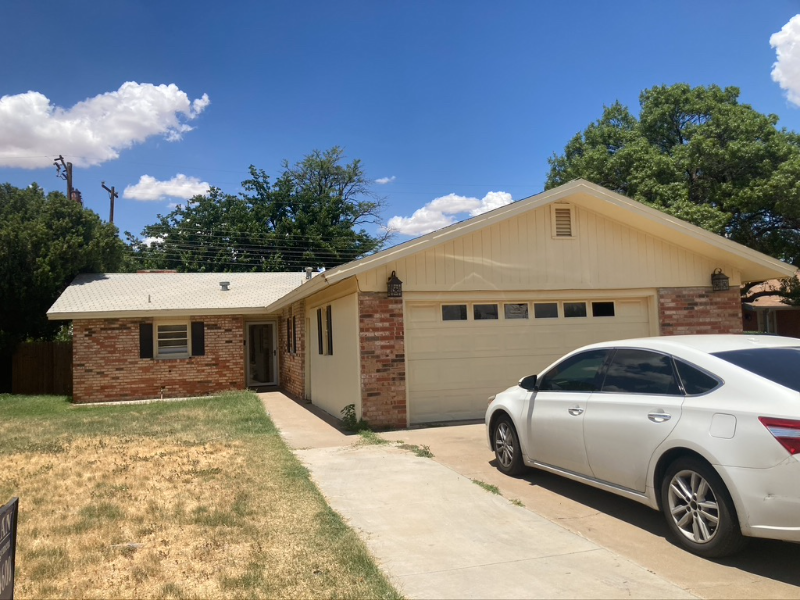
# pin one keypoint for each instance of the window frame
(157, 324)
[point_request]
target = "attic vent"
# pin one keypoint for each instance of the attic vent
(562, 222)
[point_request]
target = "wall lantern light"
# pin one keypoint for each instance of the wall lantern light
(719, 281)
(394, 287)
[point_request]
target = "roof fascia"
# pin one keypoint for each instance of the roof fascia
(156, 313)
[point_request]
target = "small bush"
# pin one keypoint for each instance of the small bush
(349, 419)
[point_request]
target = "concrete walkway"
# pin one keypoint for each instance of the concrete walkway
(439, 535)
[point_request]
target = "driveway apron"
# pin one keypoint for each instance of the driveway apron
(439, 535)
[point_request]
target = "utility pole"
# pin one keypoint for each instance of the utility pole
(112, 194)
(64, 171)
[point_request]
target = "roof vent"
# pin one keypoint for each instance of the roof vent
(224, 285)
(309, 270)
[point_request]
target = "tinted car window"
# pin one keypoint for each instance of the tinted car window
(640, 372)
(694, 380)
(578, 373)
(781, 365)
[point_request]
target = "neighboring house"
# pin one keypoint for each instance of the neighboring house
(484, 302)
(768, 314)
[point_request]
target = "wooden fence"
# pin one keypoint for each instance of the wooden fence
(42, 368)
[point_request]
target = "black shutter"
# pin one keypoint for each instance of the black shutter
(319, 330)
(330, 330)
(294, 335)
(145, 340)
(198, 338)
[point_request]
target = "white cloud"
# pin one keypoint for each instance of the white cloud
(150, 189)
(786, 70)
(33, 131)
(441, 212)
(385, 180)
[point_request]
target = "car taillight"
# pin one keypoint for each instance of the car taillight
(786, 431)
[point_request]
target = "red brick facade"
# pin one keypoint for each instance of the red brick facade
(699, 310)
(383, 368)
(107, 367)
(293, 351)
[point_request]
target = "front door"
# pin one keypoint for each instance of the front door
(262, 354)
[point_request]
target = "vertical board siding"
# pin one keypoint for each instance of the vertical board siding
(42, 368)
(521, 253)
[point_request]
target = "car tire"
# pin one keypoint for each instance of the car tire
(699, 510)
(507, 450)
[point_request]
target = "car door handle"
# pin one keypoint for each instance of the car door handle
(575, 411)
(659, 417)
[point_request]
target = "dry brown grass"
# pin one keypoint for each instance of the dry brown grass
(197, 499)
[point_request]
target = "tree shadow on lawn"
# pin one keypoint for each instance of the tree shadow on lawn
(771, 559)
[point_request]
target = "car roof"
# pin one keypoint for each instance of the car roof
(703, 343)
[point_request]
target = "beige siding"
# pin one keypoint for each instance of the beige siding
(520, 253)
(335, 379)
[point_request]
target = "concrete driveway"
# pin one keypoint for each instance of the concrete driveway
(439, 535)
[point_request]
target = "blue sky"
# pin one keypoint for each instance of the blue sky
(457, 104)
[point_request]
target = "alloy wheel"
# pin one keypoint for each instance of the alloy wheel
(504, 444)
(693, 506)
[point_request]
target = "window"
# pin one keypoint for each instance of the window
(578, 373)
(325, 330)
(633, 371)
(454, 312)
(694, 380)
(172, 340)
(515, 311)
(545, 310)
(484, 311)
(780, 365)
(574, 309)
(602, 309)
(562, 217)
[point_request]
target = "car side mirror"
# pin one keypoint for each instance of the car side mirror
(528, 383)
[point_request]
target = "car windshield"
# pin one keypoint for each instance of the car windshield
(781, 365)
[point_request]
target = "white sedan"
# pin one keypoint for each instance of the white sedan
(703, 428)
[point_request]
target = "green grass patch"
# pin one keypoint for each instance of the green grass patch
(370, 438)
(422, 451)
(492, 489)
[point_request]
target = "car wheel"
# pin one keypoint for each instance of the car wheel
(699, 509)
(506, 447)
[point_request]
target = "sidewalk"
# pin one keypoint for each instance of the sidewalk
(438, 535)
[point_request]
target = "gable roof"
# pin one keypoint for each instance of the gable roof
(753, 265)
(115, 295)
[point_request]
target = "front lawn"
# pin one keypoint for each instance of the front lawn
(171, 500)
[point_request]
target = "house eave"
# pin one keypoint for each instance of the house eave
(155, 313)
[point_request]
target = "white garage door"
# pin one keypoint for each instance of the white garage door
(460, 353)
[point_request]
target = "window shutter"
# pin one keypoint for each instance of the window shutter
(145, 340)
(330, 329)
(294, 335)
(198, 338)
(319, 330)
(563, 221)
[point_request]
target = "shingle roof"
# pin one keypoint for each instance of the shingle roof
(132, 294)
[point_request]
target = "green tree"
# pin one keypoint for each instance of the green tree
(698, 154)
(45, 241)
(313, 215)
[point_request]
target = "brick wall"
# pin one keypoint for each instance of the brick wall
(293, 364)
(107, 367)
(383, 369)
(699, 310)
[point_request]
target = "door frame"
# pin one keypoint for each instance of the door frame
(248, 379)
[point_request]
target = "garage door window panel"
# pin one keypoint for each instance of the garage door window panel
(515, 311)
(603, 309)
(573, 310)
(483, 312)
(545, 310)
(454, 312)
